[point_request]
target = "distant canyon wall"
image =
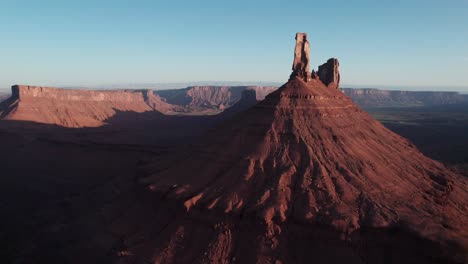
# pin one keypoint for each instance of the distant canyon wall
(389, 98)
(214, 97)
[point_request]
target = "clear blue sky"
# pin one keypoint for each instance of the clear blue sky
(89, 43)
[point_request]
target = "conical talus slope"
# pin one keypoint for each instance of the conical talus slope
(308, 156)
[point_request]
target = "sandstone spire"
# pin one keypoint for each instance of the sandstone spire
(301, 57)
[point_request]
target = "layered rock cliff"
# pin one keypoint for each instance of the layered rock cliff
(76, 108)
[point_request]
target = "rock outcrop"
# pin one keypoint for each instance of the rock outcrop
(305, 176)
(329, 73)
(249, 98)
(250, 95)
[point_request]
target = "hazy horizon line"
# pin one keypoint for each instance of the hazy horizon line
(182, 85)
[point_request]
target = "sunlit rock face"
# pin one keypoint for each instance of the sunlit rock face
(76, 108)
(301, 62)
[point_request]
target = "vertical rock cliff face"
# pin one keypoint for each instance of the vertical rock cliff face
(305, 176)
(249, 98)
(76, 108)
(205, 96)
(301, 62)
(329, 73)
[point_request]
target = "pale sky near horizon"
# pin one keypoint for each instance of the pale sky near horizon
(413, 44)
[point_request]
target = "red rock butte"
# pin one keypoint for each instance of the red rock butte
(306, 176)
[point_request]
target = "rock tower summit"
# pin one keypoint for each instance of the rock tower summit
(328, 73)
(301, 57)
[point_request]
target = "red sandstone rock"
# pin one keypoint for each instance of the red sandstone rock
(329, 73)
(76, 108)
(301, 62)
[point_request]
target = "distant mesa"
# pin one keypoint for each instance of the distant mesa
(76, 108)
(370, 98)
